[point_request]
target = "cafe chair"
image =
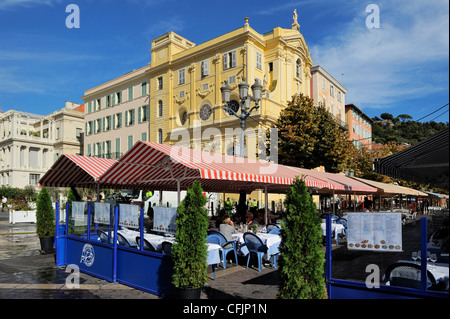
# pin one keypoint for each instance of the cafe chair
(122, 241)
(227, 246)
(255, 246)
(275, 231)
(102, 236)
(146, 245)
(270, 227)
(407, 275)
(167, 248)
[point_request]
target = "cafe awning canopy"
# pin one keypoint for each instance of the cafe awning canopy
(425, 162)
(388, 190)
(165, 167)
(76, 171)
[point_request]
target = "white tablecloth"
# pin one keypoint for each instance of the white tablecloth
(157, 240)
(337, 228)
(272, 242)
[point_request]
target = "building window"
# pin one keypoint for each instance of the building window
(130, 142)
(160, 136)
(298, 68)
(232, 79)
(144, 113)
(107, 123)
(144, 88)
(204, 68)
(160, 108)
(332, 90)
(34, 179)
(205, 112)
(119, 97)
(324, 84)
(117, 155)
(181, 76)
(339, 96)
(229, 60)
(258, 60)
(108, 101)
(98, 125)
(183, 117)
(129, 117)
(130, 93)
(99, 104)
(117, 120)
(144, 136)
(160, 83)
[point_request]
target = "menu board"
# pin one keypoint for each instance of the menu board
(102, 213)
(164, 219)
(78, 209)
(374, 231)
(129, 215)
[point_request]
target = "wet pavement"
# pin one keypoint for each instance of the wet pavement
(27, 274)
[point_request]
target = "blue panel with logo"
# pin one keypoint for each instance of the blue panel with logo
(91, 257)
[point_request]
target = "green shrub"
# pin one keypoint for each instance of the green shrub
(45, 215)
(190, 250)
(302, 259)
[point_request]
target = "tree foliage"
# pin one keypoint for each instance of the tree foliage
(308, 137)
(45, 215)
(190, 251)
(302, 259)
(402, 129)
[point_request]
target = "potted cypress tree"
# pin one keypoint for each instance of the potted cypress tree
(189, 251)
(45, 221)
(302, 259)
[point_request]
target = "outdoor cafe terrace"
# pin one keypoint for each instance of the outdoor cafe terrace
(141, 257)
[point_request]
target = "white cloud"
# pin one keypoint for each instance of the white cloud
(396, 61)
(10, 4)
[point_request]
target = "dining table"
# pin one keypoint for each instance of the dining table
(156, 240)
(272, 241)
(336, 228)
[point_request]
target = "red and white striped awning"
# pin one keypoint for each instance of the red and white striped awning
(76, 170)
(158, 166)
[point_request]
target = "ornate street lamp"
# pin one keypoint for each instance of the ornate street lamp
(245, 102)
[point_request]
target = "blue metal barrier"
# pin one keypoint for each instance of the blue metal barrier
(147, 271)
(346, 289)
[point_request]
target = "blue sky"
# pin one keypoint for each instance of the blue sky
(400, 68)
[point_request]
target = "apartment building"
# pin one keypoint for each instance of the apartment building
(326, 90)
(360, 126)
(180, 90)
(31, 143)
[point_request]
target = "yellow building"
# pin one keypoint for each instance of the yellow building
(180, 90)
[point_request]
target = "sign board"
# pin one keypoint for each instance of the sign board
(374, 231)
(102, 213)
(129, 215)
(164, 219)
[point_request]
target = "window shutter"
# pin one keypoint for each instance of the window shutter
(147, 112)
(113, 99)
(233, 59)
(225, 61)
(132, 116)
(139, 115)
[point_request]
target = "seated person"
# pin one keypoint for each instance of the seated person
(227, 229)
(249, 220)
